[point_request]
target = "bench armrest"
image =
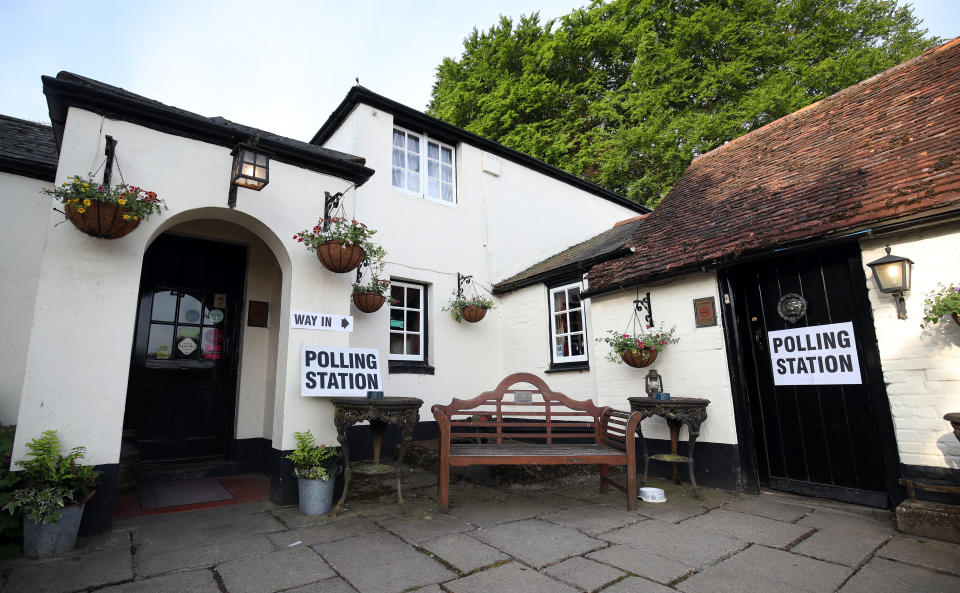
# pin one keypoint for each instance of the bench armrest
(629, 422)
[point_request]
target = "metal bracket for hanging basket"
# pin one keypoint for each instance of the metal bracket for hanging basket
(330, 203)
(461, 282)
(644, 303)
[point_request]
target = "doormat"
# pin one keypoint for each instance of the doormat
(159, 495)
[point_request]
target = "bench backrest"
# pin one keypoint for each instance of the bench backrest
(550, 415)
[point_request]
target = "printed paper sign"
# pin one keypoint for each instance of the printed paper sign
(330, 371)
(816, 355)
(306, 320)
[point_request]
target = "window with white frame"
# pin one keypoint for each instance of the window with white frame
(568, 337)
(423, 166)
(407, 321)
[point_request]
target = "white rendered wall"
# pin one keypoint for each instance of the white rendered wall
(921, 365)
(79, 352)
(25, 213)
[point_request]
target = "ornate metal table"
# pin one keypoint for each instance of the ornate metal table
(402, 412)
(677, 411)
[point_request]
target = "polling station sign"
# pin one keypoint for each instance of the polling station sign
(327, 371)
(815, 355)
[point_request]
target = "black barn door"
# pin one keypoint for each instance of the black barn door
(183, 372)
(827, 440)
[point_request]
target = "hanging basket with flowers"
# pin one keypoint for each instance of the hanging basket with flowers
(640, 349)
(340, 244)
(370, 296)
(468, 308)
(941, 302)
(102, 211)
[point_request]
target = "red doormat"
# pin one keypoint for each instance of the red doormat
(173, 497)
(162, 495)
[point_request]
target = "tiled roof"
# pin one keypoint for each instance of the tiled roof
(27, 148)
(609, 243)
(880, 152)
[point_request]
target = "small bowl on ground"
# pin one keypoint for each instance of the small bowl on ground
(652, 495)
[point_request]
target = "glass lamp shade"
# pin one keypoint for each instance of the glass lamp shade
(892, 273)
(251, 168)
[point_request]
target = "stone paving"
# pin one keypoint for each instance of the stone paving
(562, 537)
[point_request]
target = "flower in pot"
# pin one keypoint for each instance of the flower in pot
(340, 244)
(942, 301)
(638, 350)
(470, 309)
(370, 296)
(315, 467)
(102, 211)
(57, 488)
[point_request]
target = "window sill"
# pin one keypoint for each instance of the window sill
(564, 367)
(408, 367)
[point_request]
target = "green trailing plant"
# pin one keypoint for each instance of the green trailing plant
(79, 194)
(374, 284)
(11, 529)
(943, 301)
(460, 302)
(620, 343)
(312, 461)
(52, 479)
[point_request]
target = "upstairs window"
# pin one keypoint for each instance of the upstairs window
(423, 167)
(567, 332)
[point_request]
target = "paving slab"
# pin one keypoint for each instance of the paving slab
(849, 523)
(421, 529)
(150, 561)
(537, 542)
(594, 519)
(765, 505)
(501, 509)
(508, 578)
(118, 538)
(671, 511)
(759, 568)
(274, 571)
(682, 542)
(929, 553)
(583, 574)
(639, 562)
(749, 528)
(335, 585)
(834, 546)
(637, 585)
(206, 528)
(382, 563)
(70, 574)
(194, 581)
(323, 533)
(464, 552)
(887, 576)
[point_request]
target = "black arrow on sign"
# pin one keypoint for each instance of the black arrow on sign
(344, 323)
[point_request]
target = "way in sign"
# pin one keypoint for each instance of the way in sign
(324, 321)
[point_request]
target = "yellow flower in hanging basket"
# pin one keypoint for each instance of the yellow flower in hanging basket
(81, 210)
(126, 217)
(86, 201)
(121, 201)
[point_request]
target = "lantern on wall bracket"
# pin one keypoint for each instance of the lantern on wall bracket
(251, 169)
(892, 274)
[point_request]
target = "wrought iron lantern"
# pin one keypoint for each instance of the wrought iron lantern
(251, 167)
(654, 383)
(892, 274)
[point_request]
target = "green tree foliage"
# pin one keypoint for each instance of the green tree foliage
(627, 92)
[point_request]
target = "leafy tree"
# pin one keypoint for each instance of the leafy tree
(627, 92)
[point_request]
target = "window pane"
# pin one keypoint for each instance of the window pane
(396, 319)
(164, 305)
(397, 177)
(433, 188)
(574, 297)
(447, 192)
(397, 157)
(413, 321)
(413, 144)
(559, 301)
(413, 162)
(576, 344)
(446, 155)
(191, 308)
(433, 150)
(447, 174)
(560, 346)
(433, 169)
(560, 323)
(396, 343)
(576, 321)
(413, 294)
(413, 182)
(398, 138)
(262, 160)
(413, 344)
(160, 342)
(188, 343)
(398, 293)
(212, 343)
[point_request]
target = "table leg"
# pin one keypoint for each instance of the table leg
(674, 439)
(694, 429)
(377, 427)
(643, 451)
(342, 438)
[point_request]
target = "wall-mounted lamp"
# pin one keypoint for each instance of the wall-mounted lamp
(251, 169)
(892, 274)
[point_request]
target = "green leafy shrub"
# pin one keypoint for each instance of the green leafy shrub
(11, 529)
(941, 302)
(313, 461)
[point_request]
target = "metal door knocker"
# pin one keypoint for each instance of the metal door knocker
(792, 307)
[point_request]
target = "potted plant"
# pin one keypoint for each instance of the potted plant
(341, 246)
(57, 488)
(470, 309)
(370, 296)
(315, 467)
(105, 212)
(638, 350)
(942, 301)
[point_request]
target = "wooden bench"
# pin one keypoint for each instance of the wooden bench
(492, 429)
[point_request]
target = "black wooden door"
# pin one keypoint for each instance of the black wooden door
(828, 440)
(183, 372)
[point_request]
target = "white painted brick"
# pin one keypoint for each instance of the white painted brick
(943, 374)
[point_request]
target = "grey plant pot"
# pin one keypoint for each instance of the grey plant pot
(316, 496)
(45, 541)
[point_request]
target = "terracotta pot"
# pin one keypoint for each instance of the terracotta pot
(956, 317)
(102, 219)
(368, 302)
(338, 257)
(473, 314)
(639, 358)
